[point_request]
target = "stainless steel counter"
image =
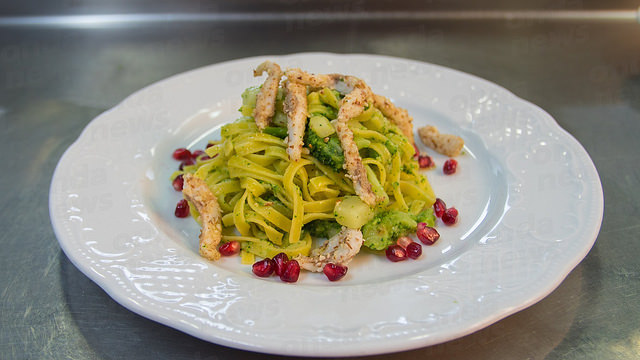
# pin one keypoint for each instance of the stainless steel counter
(58, 73)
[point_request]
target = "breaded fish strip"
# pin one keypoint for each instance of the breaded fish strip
(197, 192)
(266, 99)
(340, 250)
(295, 106)
(398, 116)
(315, 81)
(353, 105)
(446, 144)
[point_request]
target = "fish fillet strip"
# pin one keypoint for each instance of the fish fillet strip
(398, 116)
(447, 144)
(197, 192)
(352, 106)
(295, 106)
(340, 250)
(266, 98)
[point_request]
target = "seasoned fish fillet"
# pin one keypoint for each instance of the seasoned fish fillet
(197, 192)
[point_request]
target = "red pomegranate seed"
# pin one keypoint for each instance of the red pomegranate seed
(450, 216)
(280, 260)
(205, 157)
(414, 250)
(187, 162)
(396, 253)
(181, 154)
(427, 234)
(229, 248)
(196, 153)
(182, 209)
(264, 267)
(449, 167)
(404, 241)
(425, 162)
(208, 145)
(290, 272)
(439, 207)
(178, 182)
(334, 272)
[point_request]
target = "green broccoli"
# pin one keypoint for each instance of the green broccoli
(276, 131)
(323, 228)
(387, 226)
(327, 152)
(426, 216)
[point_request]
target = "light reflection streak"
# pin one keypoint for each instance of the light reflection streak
(116, 20)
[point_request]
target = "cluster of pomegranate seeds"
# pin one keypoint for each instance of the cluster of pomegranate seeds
(287, 270)
(450, 167)
(187, 157)
(427, 234)
(264, 267)
(229, 248)
(182, 209)
(449, 216)
(334, 272)
(404, 248)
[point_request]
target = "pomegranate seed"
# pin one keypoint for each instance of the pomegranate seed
(450, 216)
(414, 250)
(404, 241)
(334, 272)
(264, 267)
(427, 234)
(178, 182)
(196, 153)
(182, 209)
(425, 162)
(396, 253)
(181, 154)
(290, 272)
(439, 207)
(187, 162)
(205, 157)
(449, 167)
(280, 260)
(229, 248)
(208, 145)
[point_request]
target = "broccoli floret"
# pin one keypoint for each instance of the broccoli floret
(386, 227)
(426, 216)
(323, 228)
(327, 152)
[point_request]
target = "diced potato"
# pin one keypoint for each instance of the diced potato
(321, 126)
(352, 212)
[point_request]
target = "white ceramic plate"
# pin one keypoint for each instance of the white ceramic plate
(529, 197)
